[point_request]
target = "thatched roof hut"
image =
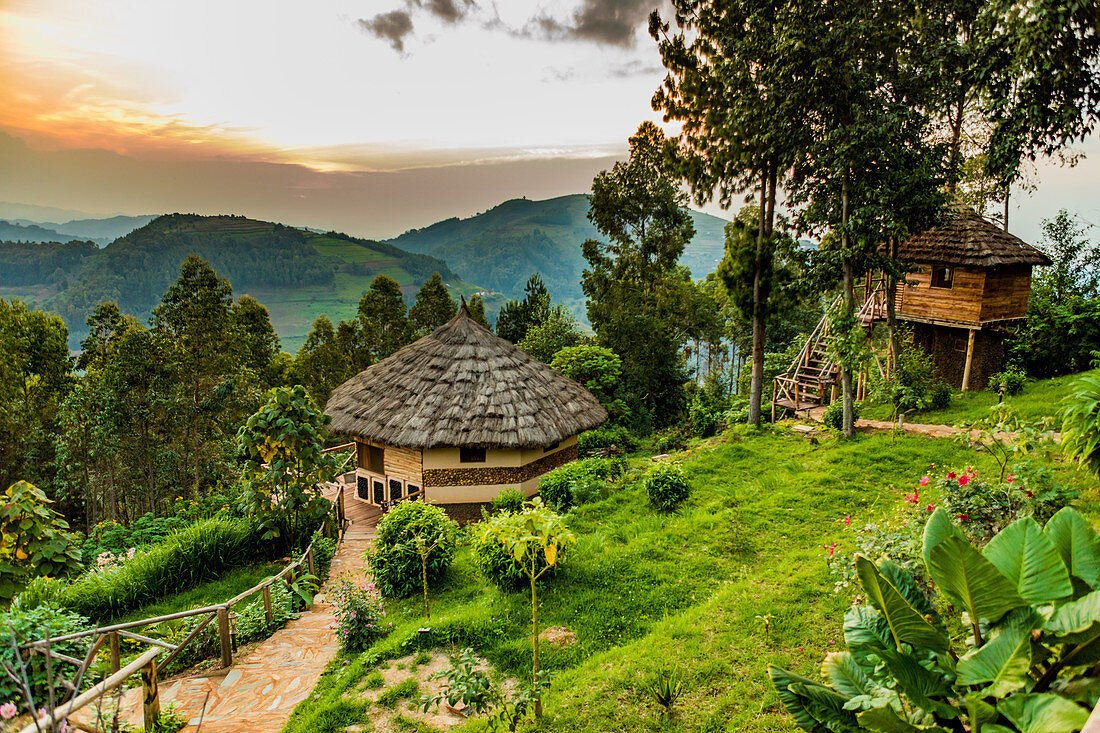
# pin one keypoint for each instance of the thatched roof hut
(462, 395)
(969, 239)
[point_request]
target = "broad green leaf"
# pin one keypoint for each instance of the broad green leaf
(963, 574)
(1078, 620)
(1077, 543)
(809, 702)
(886, 720)
(1030, 560)
(903, 580)
(919, 684)
(866, 633)
(1043, 713)
(906, 624)
(1003, 662)
(979, 711)
(846, 676)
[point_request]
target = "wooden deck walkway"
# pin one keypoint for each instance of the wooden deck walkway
(262, 688)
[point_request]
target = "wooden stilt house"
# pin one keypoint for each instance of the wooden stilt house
(970, 281)
(457, 417)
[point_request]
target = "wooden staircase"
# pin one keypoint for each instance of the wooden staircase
(809, 381)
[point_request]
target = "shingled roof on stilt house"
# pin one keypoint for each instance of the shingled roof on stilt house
(968, 239)
(462, 386)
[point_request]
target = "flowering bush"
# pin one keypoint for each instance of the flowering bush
(985, 507)
(360, 616)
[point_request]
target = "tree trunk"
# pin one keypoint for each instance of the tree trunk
(956, 145)
(756, 387)
(424, 583)
(848, 270)
(535, 642)
(891, 307)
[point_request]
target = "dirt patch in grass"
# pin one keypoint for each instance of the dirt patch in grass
(397, 718)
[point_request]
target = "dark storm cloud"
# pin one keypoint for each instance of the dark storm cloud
(607, 22)
(391, 27)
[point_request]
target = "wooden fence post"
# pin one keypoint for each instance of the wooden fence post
(116, 656)
(150, 695)
(224, 638)
(269, 613)
(309, 561)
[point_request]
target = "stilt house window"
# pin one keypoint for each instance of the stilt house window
(942, 277)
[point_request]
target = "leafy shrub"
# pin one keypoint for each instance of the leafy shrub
(509, 500)
(940, 398)
(34, 539)
(360, 616)
(915, 384)
(186, 558)
(116, 538)
(983, 508)
(705, 416)
(492, 558)
(613, 438)
(1011, 380)
(833, 416)
(1081, 424)
(324, 548)
(31, 625)
(393, 559)
(668, 442)
(666, 486)
(579, 482)
(1021, 663)
(664, 689)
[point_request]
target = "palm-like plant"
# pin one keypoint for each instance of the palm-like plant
(1081, 424)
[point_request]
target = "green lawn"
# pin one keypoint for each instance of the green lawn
(646, 593)
(217, 591)
(1039, 399)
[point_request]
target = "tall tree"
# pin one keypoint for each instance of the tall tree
(1075, 271)
(476, 308)
(517, 317)
(635, 292)
(434, 306)
(736, 82)
(383, 318)
(321, 365)
(259, 342)
(195, 328)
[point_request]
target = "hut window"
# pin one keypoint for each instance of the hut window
(395, 489)
(371, 458)
(410, 489)
(942, 277)
(471, 455)
(379, 490)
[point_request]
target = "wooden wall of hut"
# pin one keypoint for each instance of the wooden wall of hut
(1006, 292)
(961, 303)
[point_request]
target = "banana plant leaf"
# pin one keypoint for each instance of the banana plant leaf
(1030, 560)
(1077, 543)
(1042, 713)
(906, 623)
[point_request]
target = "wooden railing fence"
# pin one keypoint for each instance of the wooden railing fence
(146, 664)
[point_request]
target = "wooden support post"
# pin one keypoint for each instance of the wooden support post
(969, 360)
(309, 561)
(775, 396)
(224, 637)
(150, 695)
(269, 613)
(116, 655)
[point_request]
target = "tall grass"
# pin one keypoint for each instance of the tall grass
(194, 555)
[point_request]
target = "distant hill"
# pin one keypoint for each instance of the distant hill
(297, 274)
(501, 247)
(15, 232)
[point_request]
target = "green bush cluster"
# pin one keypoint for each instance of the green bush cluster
(393, 559)
(324, 549)
(1011, 380)
(30, 625)
(833, 416)
(666, 486)
(614, 438)
(197, 554)
(579, 482)
(509, 500)
(492, 559)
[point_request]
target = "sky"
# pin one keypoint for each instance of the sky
(368, 117)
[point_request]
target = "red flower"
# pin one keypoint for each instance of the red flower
(951, 474)
(831, 548)
(964, 517)
(847, 521)
(1029, 494)
(964, 479)
(931, 507)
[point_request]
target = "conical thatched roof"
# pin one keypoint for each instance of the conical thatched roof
(462, 386)
(969, 239)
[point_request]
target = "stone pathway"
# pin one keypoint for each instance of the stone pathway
(934, 431)
(261, 689)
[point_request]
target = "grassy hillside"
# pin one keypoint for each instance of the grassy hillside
(14, 232)
(689, 592)
(501, 247)
(297, 274)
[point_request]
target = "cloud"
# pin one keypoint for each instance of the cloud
(607, 22)
(391, 27)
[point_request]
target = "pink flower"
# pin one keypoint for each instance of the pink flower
(951, 474)
(847, 521)
(931, 507)
(831, 548)
(964, 479)
(8, 710)
(1010, 478)
(970, 470)
(924, 480)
